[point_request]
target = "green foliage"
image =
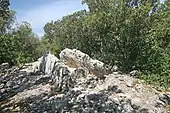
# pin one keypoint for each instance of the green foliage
(19, 46)
(6, 16)
(133, 34)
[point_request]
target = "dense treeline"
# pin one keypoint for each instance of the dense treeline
(18, 45)
(133, 34)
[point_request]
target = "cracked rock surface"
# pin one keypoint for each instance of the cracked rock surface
(52, 86)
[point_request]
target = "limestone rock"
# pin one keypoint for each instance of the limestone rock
(134, 73)
(76, 58)
(47, 63)
(53, 86)
(165, 98)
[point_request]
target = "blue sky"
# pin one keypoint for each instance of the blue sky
(39, 12)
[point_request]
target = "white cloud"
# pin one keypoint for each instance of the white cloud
(40, 15)
(162, 1)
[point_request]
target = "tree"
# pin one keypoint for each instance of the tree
(7, 16)
(19, 46)
(4, 9)
(133, 34)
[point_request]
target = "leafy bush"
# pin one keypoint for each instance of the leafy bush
(132, 35)
(19, 46)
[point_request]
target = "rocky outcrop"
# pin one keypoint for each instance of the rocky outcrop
(52, 85)
(76, 58)
(47, 63)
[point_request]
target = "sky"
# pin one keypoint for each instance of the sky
(39, 12)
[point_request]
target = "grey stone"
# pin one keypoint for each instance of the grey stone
(47, 63)
(59, 87)
(76, 58)
(134, 73)
(2, 85)
(4, 66)
(165, 98)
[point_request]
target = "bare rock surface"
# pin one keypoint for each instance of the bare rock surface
(51, 85)
(76, 58)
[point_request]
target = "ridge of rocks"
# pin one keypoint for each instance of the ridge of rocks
(75, 83)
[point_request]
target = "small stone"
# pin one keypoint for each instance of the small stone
(122, 95)
(91, 86)
(115, 73)
(60, 96)
(2, 85)
(134, 73)
(17, 109)
(85, 111)
(164, 98)
(4, 66)
(129, 84)
(16, 86)
(3, 90)
(114, 99)
(115, 68)
(160, 104)
(9, 83)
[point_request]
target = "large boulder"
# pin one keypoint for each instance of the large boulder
(47, 63)
(76, 58)
(62, 76)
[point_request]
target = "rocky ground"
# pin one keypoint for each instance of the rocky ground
(75, 83)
